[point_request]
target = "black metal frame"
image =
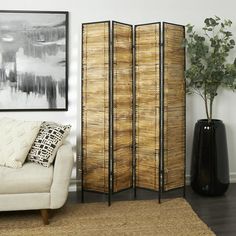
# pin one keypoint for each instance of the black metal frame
(161, 176)
(134, 113)
(66, 13)
(162, 108)
(160, 116)
(110, 161)
(82, 117)
(185, 131)
(162, 91)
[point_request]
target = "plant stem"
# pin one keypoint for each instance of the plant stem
(211, 105)
(206, 105)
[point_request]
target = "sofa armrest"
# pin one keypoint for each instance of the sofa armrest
(61, 176)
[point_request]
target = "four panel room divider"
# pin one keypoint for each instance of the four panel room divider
(133, 107)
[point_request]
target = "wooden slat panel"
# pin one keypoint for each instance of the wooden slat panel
(174, 106)
(95, 106)
(147, 106)
(122, 106)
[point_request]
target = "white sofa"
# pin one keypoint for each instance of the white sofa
(36, 187)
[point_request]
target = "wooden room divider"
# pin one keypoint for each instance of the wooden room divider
(174, 104)
(96, 136)
(122, 112)
(133, 107)
(147, 70)
(107, 112)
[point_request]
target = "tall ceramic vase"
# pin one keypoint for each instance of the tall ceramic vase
(209, 166)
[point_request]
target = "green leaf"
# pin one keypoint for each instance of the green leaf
(195, 37)
(207, 22)
(228, 34)
(189, 29)
(232, 42)
(212, 22)
(208, 58)
(235, 61)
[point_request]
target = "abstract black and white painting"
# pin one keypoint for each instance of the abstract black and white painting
(33, 60)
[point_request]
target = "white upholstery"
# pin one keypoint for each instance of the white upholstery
(31, 178)
(54, 193)
(61, 176)
(16, 138)
(24, 201)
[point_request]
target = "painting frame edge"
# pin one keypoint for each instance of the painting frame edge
(66, 62)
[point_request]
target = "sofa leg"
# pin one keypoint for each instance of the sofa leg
(44, 214)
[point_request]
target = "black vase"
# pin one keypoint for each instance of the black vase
(209, 166)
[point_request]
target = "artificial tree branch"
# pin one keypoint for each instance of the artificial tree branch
(198, 92)
(206, 105)
(211, 106)
(208, 53)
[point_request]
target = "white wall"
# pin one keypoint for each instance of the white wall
(134, 12)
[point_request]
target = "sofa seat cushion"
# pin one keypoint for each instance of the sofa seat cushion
(31, 178)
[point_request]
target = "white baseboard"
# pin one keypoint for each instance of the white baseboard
(73, 183)
(72, 188)
(232, 178)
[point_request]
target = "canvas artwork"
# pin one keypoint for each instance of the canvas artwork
(33, 60)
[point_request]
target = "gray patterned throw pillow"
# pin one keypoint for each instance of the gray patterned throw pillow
(50, 137)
